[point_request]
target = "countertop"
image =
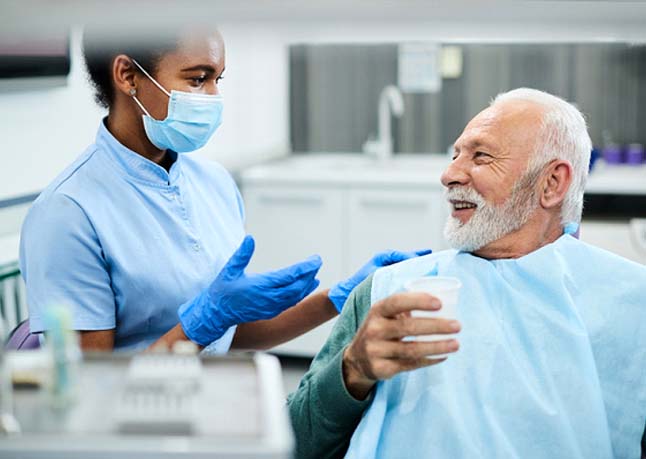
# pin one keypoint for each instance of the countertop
(334, 169)
(415, 170)
(617, 179)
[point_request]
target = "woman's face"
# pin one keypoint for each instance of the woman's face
(195, 66)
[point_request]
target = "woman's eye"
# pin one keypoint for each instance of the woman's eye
(198, 81)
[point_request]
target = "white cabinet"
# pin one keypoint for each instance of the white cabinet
(393, 219)
(290, 223)
(346, 222)
(625, 238)
(345, 225)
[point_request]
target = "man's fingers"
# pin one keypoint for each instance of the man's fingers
(407, 301)
(415, 326)
(413, 350)
(383, 368)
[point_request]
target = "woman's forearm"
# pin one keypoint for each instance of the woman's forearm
(263, 334)
(97, 340)
(172, 336)
(301, 318)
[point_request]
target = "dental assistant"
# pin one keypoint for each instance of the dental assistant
(145, 241)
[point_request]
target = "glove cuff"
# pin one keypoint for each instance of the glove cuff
(338, 294)
(198, 321)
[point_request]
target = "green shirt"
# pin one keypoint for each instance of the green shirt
(324, 415)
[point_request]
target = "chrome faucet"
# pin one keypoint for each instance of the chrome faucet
(389, 99)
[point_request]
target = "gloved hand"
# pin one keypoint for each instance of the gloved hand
(340, 292)
(235, 297)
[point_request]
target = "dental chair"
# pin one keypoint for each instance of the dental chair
(21, 338)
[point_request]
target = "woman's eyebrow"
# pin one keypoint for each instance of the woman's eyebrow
(204, 68)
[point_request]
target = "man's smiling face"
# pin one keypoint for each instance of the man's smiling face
(487, 185)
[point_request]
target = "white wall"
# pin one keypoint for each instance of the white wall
(255, 88)
(43, 129)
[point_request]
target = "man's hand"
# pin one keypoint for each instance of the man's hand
(377, 350)
(339, 293)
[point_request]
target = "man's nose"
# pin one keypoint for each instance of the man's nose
(456, 173)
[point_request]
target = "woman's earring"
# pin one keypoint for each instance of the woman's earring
(133, 92)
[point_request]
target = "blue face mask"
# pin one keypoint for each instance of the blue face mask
(191, 121)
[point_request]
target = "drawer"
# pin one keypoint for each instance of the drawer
(625, 238)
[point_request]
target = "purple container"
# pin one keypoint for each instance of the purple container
(612, 154)
(635, 153)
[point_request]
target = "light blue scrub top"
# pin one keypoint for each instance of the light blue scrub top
(124, 243)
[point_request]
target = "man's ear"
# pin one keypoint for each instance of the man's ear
(556, 183)
(124, 75)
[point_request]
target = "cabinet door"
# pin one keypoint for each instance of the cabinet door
(625, 238)
(394, 219)
(289, 224)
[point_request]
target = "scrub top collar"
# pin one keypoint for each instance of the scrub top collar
(135, 165)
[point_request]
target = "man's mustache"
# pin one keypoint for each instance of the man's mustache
(464, 193)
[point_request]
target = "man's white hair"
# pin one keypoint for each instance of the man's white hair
(563, 135)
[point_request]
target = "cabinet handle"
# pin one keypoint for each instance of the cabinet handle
(291, 200)
(404, 206)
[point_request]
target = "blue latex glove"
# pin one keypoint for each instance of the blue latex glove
(340, 292)
(235, 297)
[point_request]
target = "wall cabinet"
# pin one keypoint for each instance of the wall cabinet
(345, 223)
(394, 219)
(347, 207)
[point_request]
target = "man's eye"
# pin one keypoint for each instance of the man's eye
(198, 81)
(481, 154)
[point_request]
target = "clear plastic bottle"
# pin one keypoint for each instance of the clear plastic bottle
(8, 423)
(63, 345)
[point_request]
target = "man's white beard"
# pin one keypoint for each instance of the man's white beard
(490, 222)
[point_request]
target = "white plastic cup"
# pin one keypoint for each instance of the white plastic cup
(445, 289)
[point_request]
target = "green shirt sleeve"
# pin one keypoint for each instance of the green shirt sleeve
(324, 415)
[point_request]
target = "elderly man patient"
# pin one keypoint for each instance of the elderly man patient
(548, 356)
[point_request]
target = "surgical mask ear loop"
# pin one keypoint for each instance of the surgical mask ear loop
(151, 78)
(133, 91)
